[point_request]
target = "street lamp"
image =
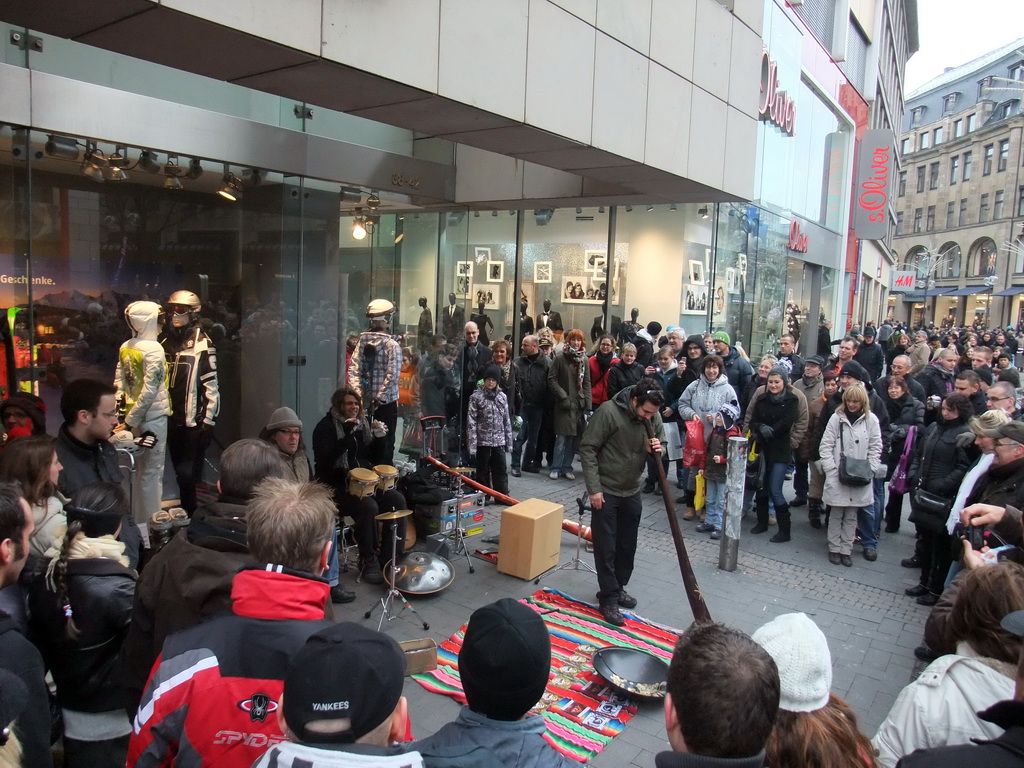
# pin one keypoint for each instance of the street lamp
(927, 264)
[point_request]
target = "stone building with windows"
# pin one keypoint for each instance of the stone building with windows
(960, 195)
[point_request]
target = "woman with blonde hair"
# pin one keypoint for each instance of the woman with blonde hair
(852, 431)
(814, 728)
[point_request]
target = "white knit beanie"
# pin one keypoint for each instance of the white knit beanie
(801, 653)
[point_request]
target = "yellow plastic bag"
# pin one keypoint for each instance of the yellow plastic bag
(699, 496)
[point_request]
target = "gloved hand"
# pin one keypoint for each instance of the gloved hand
(508, 449)
(146, 440)
(965, 439)
(378, 428)
(766, 432)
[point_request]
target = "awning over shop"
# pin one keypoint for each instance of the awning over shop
(970, 290)
(1012, 291)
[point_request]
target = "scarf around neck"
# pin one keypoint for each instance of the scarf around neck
(84, 547)
(579, 358)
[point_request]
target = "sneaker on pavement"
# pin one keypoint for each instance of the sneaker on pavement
(553, 475)
(716, 534)
(911, 562)
(846, 560)
(569, 476)
(611, 613)
(705, 528)
(341, 595)
(516, 472)
(626, 600)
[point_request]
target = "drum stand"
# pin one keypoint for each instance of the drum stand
(459, 534)
(576, 564)
(387, 602)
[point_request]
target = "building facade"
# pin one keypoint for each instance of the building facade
(474, 153)
(960, 195)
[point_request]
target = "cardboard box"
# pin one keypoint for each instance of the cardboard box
(531, 538)
(420, 655)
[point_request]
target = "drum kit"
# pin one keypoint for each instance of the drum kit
(414, 573)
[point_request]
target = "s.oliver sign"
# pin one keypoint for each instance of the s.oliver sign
(874, 180)
(775, 105)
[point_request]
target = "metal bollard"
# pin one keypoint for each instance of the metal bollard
(732, 517)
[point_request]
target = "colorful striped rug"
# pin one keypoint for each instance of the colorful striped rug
(582, 712)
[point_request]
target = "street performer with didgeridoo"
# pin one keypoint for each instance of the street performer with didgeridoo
(614, 452)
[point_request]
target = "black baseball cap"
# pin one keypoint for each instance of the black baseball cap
(346, 673)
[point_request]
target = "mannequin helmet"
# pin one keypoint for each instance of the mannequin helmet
(380, 308)
(183, 308)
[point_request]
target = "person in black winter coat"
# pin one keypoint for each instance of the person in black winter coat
(772, 418)
(905, 411)
(80, 611)
(938, 466)
(937, 381)
(690, 366)
(870, 355)
(625, 372)
(968, 384)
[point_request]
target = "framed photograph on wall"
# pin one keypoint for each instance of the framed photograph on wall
(482, 255)
(732, 283)
(495, 271)
(464, 269)
(595, 263)
(695, 300)
(485, 293)
(696, 272)
(462, 285)
(582, 289)
(542, 272)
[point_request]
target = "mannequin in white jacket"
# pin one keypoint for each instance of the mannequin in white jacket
(140, 379)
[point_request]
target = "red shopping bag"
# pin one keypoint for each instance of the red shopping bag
(694, 448)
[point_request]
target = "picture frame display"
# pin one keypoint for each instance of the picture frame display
(484, 291)
(495, 271)
(581, 289)
(542, 272)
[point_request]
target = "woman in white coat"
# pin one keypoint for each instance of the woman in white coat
(852, 431)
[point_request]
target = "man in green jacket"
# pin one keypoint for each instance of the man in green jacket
(613, 452)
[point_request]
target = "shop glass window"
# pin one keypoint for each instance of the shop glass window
(925, 140)
(963, 213)
(1004, 154)
(970, 122)
(958, 129)
(986, 167)
(902, 186)
(950, 213)
(930, 223)
(937, 137)
(917, 220)
(983, 209)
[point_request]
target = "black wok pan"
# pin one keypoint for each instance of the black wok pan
(636, 673)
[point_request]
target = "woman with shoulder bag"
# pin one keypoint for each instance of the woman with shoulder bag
(853, 433)
(905, 411)
(936, 471)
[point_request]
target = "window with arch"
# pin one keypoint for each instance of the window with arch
(952, 260)
(981, 260)
(916, 260)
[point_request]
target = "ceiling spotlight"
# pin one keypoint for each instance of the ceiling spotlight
(195, 169)
(350, 195)
(171, 171)
(92, 165)
(231, 186)
(254, 175)
(543, 216)
(373, 201)
(578, 210)
(359, 225)
(476, 214)
(601, 209)
(494, 213)
(703, 211)
(650, 207)
(148, 163)
(629, 209)
(61, 146)
(118, 159)
(673, 207)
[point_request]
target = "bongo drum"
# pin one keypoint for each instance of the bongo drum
(362, 482)
(388, 477)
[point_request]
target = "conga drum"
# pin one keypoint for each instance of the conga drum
(362, 482)
(388, 477)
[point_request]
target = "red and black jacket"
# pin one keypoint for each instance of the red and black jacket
(213, 695)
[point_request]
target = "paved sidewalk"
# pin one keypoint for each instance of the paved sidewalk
(872, 628)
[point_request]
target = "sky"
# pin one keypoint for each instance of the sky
(953, 32)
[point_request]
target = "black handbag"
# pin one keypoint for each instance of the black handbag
(853, 472)
(757, 469)
(929, 510)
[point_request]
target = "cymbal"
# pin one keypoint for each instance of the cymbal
(395, 515)
(464, 470)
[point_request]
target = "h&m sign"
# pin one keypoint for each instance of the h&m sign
(904, 281)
